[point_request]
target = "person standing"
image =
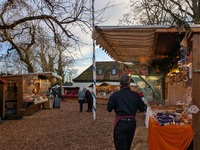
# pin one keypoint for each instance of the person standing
(89, 98)
(125, 103)
(81, 98)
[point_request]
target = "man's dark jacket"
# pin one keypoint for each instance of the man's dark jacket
(88, 96)
(125, 102)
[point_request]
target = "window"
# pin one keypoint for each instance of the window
(114, 71)
(99, 71)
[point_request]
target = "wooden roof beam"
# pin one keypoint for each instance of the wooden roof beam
(174, 30)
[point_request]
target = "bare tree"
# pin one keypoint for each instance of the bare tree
(22, 20)
(64, 63)
(146, 12)
(162, 12)
(71, 74)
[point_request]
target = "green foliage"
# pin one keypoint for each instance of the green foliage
(165, 65)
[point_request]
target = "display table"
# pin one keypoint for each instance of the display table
(41, 101)
(70, 97)
(171, 137)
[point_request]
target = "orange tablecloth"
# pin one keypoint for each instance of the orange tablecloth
(171, 137)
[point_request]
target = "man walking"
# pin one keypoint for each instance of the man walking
(125, 103)
(89, 98)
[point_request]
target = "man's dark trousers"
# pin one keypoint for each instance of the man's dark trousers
(123, 134)
(90, 106)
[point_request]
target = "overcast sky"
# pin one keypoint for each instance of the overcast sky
(115, 13)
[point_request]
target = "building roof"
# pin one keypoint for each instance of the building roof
(107, 66)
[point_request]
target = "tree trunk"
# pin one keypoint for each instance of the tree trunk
(30, 67)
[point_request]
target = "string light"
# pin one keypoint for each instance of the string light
(159, 57)
(82, 59)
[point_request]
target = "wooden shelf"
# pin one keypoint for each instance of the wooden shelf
(22, 109)
(40, 101)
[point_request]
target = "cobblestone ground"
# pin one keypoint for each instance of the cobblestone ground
(67, 129)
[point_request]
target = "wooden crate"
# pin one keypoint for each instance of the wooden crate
(48, 104)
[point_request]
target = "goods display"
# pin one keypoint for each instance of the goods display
(26, 93)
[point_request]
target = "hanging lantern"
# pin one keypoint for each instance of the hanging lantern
(157, 70)
(143, 58)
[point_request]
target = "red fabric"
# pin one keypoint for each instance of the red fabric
(128, 71)
(120, 73)
(118, 118)
(141, 95)
(73, 93)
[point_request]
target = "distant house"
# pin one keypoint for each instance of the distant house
(106, 72)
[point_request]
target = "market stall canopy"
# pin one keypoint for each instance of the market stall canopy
(138, 44)
(91, 85)
(49, 75)
(104, 84)
(46, 74)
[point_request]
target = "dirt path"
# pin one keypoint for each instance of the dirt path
(67, 129)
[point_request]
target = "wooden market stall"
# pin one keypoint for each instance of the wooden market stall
(145, 45)
(103, 92)
(70, 93)
(26, 93)
(105, 89)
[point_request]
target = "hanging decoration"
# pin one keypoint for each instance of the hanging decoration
(159, 57)
(157, 69)
(125, 73)
(31, 80)
(185, 58)
(143, 71)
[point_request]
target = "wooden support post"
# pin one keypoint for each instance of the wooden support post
(2, 100)
(196, 89)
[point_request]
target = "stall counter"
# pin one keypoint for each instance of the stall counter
(174, 137)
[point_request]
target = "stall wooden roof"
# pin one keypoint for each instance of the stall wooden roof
(138, 43)
(47, 74)
(2, 81)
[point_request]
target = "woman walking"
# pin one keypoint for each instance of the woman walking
(81, 98)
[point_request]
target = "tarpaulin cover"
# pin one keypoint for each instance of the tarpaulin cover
(149, 87)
